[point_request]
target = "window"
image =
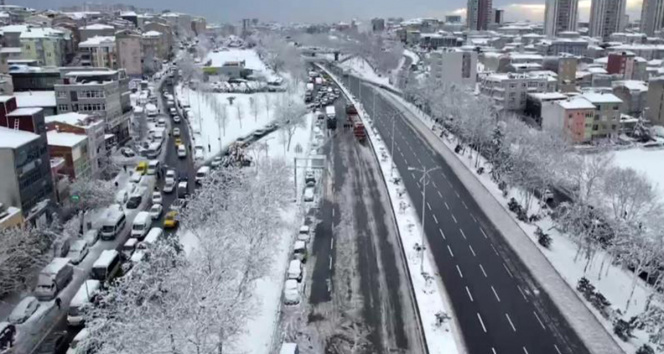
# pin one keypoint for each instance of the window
(595, 127)
(63, 108)
(61, 94)
(90, 94)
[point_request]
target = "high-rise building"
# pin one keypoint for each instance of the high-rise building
(652, 16)
(560, 16)
(479, 14)
(378, 25)
(498, 16)
(655, 101)
(606, 17)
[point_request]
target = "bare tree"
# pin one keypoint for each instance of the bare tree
(631, 195)
(290, 115)
(22, 251)
(240, 113)
(266, 100)
(253, 107)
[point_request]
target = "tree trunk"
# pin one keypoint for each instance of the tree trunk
(635, 279)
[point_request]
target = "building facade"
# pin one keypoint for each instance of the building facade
(378, 25)
(86, 125)
(128, 49)
(509, 91)
(634, 95)
(166, 36)
(573, 117)
(98, 52)
(96, 30)
(100, 92)
(479, 15)
(560, 16)
(453, 66)
(652, 16)
(655, 101)
(73, 149)
(606, 120)
(45, 45)
(606, 17)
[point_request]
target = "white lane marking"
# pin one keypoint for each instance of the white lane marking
(494, 250)
(449, 249)
(330, 262)
(493, 351)
(472, 250)
(435, 218)
(473, 216)
(429, 206)
(418, 160)
(418, 186)
(525, 350)
(462, 234)
(447, 206)
(332, 212)
(434, 184)
(522, 293)
(539, 320)
(440, 195)
(444, 175)
(483, 233)
(558, 350)
(459, 270)
(448, 182)
(332, 243)
(412, 174)
(481, 322)
(401, 153)
(469, 295)
(508, 271)
(464, 204)
(483, 272)
(442, 234)
(495, 293)
(453, 218)
(510, 321)
(457, 194)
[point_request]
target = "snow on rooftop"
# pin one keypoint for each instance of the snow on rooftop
(91, 73)
(12, 139)
(576, 103)
(105, 258)
(96, 41)
(33, 33)
(151, 34)
(4, 99)
(27, 111)
(632, 85)
(97, 26)
(35, 99)
(596, 97)
(64, 139)
(10, 50)
(71, 118)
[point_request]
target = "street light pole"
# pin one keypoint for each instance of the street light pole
(392, 148)
(424, 180)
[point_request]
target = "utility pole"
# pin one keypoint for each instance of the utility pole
(392, 148)
(424, 180)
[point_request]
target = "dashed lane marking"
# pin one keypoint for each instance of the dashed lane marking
(508, 271)
(442, 234)
(472, 250)
(494, 250)
(539, 320)
(435, 218)
(463, 234)
(439, 194)
(469, 295)
(510, 321)
(479, 317)
(446, 206)
(449, 249)
(429, 206)
(473, 217)
(558, 350)
(483, 272)
(464, 204)
(522, 293)
(453, 218)
(459, 270)
(483, 233)
(495, 293)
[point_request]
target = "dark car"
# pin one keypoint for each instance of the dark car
(134, 201)
(55, 343)
(7, 335)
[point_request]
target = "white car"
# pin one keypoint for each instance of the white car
(291, 292)
(303, 235)
(199, 152)
(136, 177)
(156, 198)
(169, 185)
(176, 132)
(170, 174)
(161, 122)
(155, 211)
(309, 194)
(78, 251)
(216, 162)
(182, 151)
(23, 310)
(91, 237)
(176, 119)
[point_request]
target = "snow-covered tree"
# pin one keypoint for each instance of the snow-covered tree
(22, 251)
(290, 115)
(253, 107)
(239, 114)
(90, 194)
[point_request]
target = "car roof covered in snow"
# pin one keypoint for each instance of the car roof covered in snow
(105, 259)
(87, 289)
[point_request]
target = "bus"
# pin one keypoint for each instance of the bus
(107, 267)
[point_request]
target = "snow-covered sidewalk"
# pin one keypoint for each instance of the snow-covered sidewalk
(430, 295)
(557, 286)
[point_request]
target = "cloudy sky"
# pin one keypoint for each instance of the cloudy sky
(333, 10)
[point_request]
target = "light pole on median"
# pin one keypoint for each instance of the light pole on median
(424, 180)
(394, 116)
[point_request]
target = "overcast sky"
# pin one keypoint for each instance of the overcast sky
(333, 10)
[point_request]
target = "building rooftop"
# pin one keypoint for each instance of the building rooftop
(12, 139)
(10, 50)
(71, 118)
(4, 99)
(40, 33)
(91, 73)
(632, 85)
(576, 103)
(35, 99)
(27, 111)
(64, 139)
(97, 26)
(548, 96)
(96, 41)
(152, 34)
(596, 97)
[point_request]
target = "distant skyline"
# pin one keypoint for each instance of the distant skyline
(333, 10)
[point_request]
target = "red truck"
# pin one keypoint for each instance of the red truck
(357, 125)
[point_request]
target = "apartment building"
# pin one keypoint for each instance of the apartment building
(652, 16)
(454, 66)
(45, 45)
(606, 121)
(607, 17)
(129, 52)
(97, 91)
(98, 52)
(96, 30)
(573, 117)
(634, 95)
(627, 65)
(509, 91)
(73, 149)
(166, 36)
(198, 25)
(478, 15)
(26, 173)
(560, 16)
(87, 125)
(655, 101)
(378, 25)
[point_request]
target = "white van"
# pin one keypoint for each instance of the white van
(202, 174)
(303, 235)
(153, 167)
(107, 266)
(151, 110)
(182, 151)
(154, 149)
(75, 347)
(289, 348)
(53, 278)
(295, 270)
(84, 296)
(309, 194)
(114, 222)
(141, 225)
(153, 236)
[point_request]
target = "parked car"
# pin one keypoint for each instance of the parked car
(303, 234)
(295, 270)
(127, 152)
(310, 178)
(169, 186)
(136, 177)
(291, 292)
(182, 151)
(155, 211)
(308, 194)
(176, 132)
(216, 162)
(134, 201)
(171, 220)
(91, 237)
(7, 336)
(300, 251)
(178, 204)
(23, 310)
(77, 252)
(157, 198)
(176, 119)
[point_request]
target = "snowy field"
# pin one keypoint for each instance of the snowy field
(249, 56)
(614, 282)
(430, 294)
(647, 161)
(242, 117)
